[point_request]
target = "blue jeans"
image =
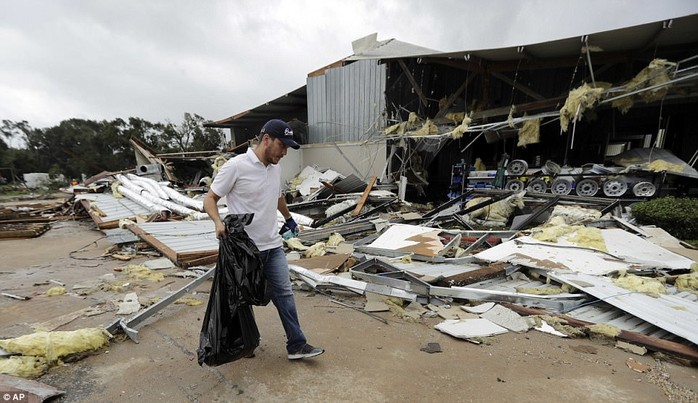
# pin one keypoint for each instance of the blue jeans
(278, 278)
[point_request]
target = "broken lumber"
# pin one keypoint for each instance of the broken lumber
(364, 197)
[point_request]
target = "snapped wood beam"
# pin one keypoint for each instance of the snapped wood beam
(364, 197)
(454, 96)
(520, 108)
(518, 86)
(414, 83)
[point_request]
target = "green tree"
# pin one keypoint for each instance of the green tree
(191, 135)
(16, 160)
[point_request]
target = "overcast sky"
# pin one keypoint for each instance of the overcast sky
(157, 59)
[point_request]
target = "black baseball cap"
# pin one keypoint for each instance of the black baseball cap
(281, 130)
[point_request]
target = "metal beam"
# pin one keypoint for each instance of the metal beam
(127, 325)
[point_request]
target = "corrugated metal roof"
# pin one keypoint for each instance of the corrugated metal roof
(183, 236)
(672, 313)
(113, 208)
(120, 235)
(369, 48)
(671, 32)
(286, 107)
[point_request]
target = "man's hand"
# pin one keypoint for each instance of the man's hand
(289, 229)
(220, 230)
(292, 226)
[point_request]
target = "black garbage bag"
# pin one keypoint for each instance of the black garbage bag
(229, 331)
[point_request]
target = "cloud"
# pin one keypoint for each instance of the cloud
(158, 59)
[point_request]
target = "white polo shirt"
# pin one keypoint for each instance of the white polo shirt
(251, 187)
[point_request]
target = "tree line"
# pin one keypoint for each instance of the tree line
(79, 146)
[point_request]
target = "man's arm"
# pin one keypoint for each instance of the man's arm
(283, 208)
(211, 208)
(290, 222)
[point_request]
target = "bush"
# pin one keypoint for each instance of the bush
(677, 216)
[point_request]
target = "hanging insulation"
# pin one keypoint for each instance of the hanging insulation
(529, 133)
(579, 99)
(462, 128)
(656, 73)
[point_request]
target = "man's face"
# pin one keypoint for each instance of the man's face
(275, 150)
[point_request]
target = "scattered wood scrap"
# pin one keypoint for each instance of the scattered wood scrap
(22, 230)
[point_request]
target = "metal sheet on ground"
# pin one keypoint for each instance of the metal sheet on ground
(671, 313)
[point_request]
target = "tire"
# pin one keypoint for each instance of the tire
(644, 189)
(517, 167)
(515, 185)
(561, 186)
(586, 187)
(537, 186)
(615, 187)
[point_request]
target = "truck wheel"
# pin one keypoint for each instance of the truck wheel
(561, 186)
(615, 188)
(515, 185)
(587, 187)
(537, 186)
(644, 189)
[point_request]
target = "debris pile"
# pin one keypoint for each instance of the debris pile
(485, 263)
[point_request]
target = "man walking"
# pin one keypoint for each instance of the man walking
(251, 183)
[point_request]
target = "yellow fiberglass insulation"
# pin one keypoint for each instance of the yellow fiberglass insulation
(462, 128)
(401, 128)
(479, 165)
(574, 215)
(428, 128)
(529, 133)
(316, 250)
(605, 330)
(510, 118)
(335, 239)
(579, 99)
(656, 73)
(540, 290)
(141, 272)
(687, 282)
(661, 165)
(647, 285)
(55, 291)
(295, 244)
(115, 190)
(23, 366)
(455, 117)
(623, 104)
(189, 301)
(589, 237)
(551, 233)
(54, 345)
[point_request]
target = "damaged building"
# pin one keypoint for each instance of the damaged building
(572, 104)
(478, 192)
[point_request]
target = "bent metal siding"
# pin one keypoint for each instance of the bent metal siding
(346, 104)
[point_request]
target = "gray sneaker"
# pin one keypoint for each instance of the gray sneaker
(306, 351)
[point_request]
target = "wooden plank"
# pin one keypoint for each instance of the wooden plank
(20, 231)
(154, 242)
(101, 224)
(364, 197)
(202, 261)
(474, 276)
